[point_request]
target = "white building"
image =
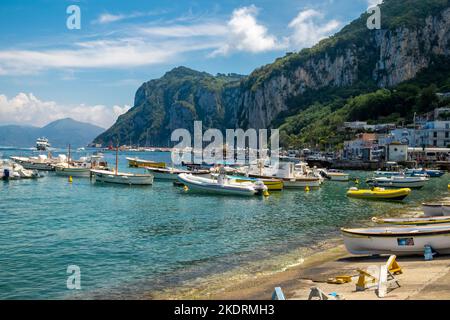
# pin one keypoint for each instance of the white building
(435, 133)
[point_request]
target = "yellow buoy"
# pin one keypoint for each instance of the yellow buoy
(70, 179)
(185, 188)
(266, 193)
(356, 181)
(307, 188)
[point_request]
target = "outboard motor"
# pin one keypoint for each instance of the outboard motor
(5, 174)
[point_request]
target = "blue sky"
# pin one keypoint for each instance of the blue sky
(48, 71)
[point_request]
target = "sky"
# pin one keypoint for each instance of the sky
(49, 71)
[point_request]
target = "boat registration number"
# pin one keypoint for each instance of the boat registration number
(404, 242)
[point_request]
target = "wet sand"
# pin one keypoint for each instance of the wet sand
(420, 280)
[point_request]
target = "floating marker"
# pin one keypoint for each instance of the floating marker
(307, 188)
(70, 179)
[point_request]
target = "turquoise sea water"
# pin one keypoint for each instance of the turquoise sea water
(129, 241)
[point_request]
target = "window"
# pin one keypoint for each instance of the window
(435, 134)
(435, 143)
(446, 134)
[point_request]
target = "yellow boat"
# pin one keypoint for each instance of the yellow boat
(412, 221)
(271, 184)
(379, 193)
(140, 163)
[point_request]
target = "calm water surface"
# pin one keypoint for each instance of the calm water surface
(133, 240)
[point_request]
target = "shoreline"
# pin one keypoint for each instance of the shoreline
(316, 267)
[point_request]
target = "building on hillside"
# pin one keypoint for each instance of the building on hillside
(358, 148)
(435, 134)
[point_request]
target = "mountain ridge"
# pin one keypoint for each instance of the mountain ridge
(59, 132)
(352, 62)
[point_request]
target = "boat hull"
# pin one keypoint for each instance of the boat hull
(338, 177)
(432, 209)
(139, 163)
(395, 182)
(271, 184)
(407, 243)
(110, 177)
(73, 172)
(413, 221)
(215, 188)
(392, 195)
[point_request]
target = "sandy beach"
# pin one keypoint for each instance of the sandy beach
(420, 279)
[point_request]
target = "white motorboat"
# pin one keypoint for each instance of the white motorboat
(41, 162)
(10, 170)
(171, 173)
(222, 185)
(121, 177)
(42, 144)
(286, 172)
(334, 175)
(398, 182)
(398, 240)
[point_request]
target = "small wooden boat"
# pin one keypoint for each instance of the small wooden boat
(412, 221)
(337, 175)
(398, 182)
(398, 240)
(65, 169)
(222, 186)
(432, 209)
(121, 177)
(140, 163)
(379, 193)
(271, 184)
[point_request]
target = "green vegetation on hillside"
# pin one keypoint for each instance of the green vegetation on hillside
(320, 124)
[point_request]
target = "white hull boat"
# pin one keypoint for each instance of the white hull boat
(172, 173)
(399, 182)
(436, 209)
(334, 175)
(300, 183)
(432, 209)
(72, 171)
(34, 163)
(221, 186)
(398, 240)
(122, 178)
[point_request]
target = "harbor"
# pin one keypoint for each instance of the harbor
(171, 237)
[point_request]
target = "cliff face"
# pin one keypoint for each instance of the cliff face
(354, 56)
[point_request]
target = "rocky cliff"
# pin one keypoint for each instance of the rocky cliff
(413, 33)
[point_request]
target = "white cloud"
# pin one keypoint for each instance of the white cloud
(184, 31)
(246, 34)
(166, 42)
(106, 18)
(309, 28)
(27, 109)
(373, 3)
